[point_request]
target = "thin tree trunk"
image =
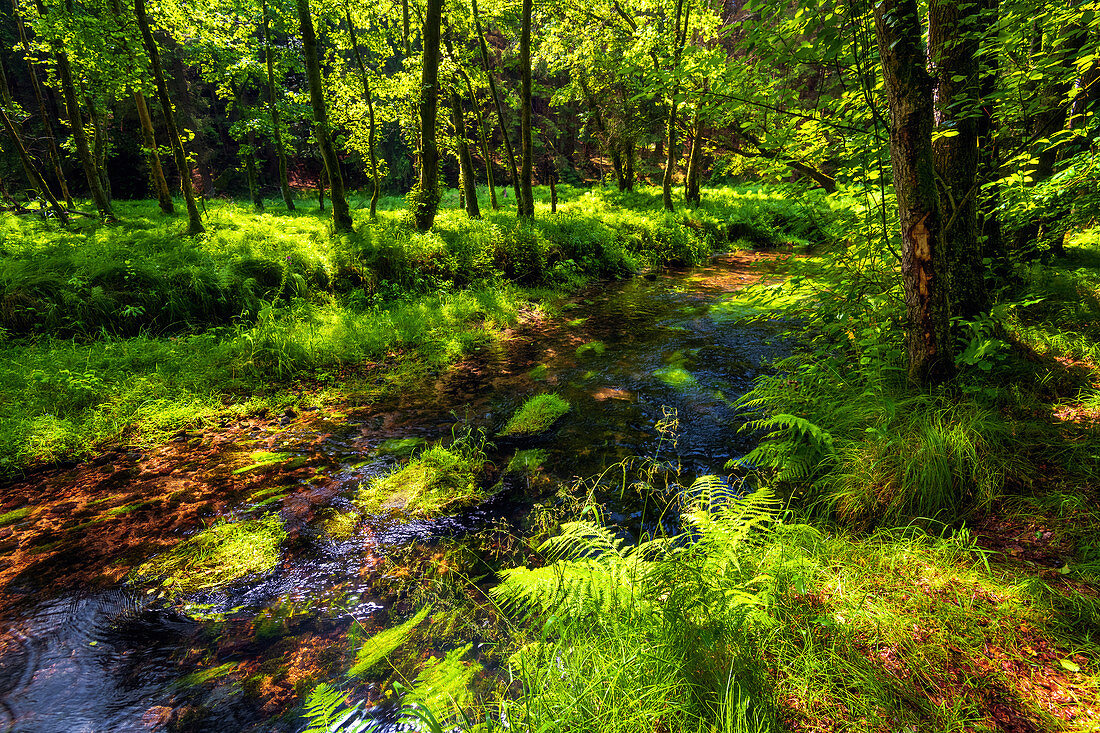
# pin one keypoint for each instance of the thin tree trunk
(466, 165)
(377, 186)
(426, 201)
(484, 140)
(194, 222)
(406, 32)
(691, 181)
(680, 38)
(953, 36)
(34, 177)
(629, 173)
(923, 266)
(80, 139)
(250, 167)
(989, 223)
(152, 156)
(601, 126)
(321, 187)
(99, 143)
(510, 154)
(341, 216)
(273, 109)
(527, 200)
(47, 119)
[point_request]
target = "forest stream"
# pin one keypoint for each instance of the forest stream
(85, 648)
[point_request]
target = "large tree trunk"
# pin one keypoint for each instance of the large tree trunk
(194, 222)
(273, 109)
(152, 156)
(953, 36)
(426, 201)
(369, 99)
(527, 199)
(341, 216)
(510, 154)
(47, 119)
(465, 164)
(923, 265)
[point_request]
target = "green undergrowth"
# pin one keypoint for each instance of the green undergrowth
(128, 333)
(217, 556)
(537, 415)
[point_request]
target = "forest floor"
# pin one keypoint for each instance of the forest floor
(990, 622)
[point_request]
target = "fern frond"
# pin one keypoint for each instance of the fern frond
(326, 711)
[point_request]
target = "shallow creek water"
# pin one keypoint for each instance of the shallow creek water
(82, 650)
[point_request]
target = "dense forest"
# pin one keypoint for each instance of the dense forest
(610, 365)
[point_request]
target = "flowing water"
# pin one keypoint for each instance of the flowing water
(83, 650)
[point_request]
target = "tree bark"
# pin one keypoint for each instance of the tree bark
(510, 153)
(923, 266)
(466, 165)
(194, 222)
(273, 109)
(369, 99)
(953, 40)
(426, 201)
(152, 156)
(527, 199)
(250, 168)
(341, 215)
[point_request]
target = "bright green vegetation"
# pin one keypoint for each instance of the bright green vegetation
(132, 333)
(526, 461)
(382, 644)
(438, 479)
(15, 515)
(763, 623)
(216, 556)
(536, 416)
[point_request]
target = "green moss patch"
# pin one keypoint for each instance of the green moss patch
(217, 556)
(399, 446)
(15, 515)
(437, 480)
(536, 416)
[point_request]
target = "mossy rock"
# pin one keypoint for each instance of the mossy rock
(436, 481)
(537, 415)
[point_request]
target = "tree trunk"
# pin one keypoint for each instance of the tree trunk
(601, 126)
(273, 109)
(321, 187)
(680, 38)
(341, 216)
(426, 200)
(484, 140)
(953, 39)
(923, 266)
(194, 222)
(152, 156)
(691, 182)
(250, 168)
(465, 164)
(629, 174)
(510, 154)
(34, 177)
(80, 139)
(369, 99)
(47, 120)
(527, 200)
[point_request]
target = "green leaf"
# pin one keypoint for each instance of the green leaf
(1069, 666)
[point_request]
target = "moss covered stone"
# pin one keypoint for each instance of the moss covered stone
(536, 416)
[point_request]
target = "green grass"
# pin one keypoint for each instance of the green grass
(537, 415)
(216, 556)
(382, 644)
(128, 333)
